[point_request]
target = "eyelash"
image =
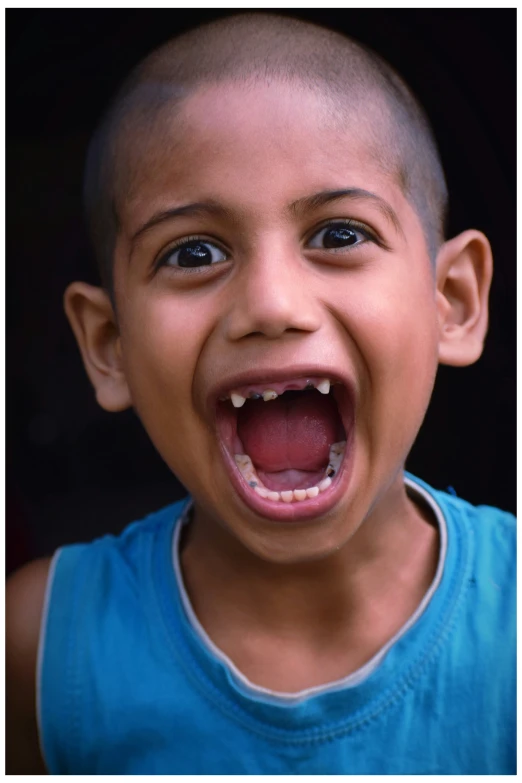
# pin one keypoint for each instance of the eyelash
(162, 261)
(351, 225)
(340, 224)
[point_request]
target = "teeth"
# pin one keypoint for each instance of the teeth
(324, 386)
(248, 471)
(290, 495)
(335, 458)
(269, 394)
(237, 400)
(324, 484)
(243, 462)
(262, 492)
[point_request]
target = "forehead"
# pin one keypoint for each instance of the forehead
(258, 146)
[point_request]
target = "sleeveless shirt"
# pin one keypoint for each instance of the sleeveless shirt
(129, 682)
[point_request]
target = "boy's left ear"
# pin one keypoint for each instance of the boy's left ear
(464, 270)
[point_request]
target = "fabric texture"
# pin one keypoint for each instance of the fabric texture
(127, 684)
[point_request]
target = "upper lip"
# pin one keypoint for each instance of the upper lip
(264, 377)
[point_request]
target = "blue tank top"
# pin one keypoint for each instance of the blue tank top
(129, 683)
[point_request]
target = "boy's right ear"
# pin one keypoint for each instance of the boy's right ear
(93, 322)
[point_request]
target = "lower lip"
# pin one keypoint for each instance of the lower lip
(296, 511)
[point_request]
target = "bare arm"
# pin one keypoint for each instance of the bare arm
(25, 594)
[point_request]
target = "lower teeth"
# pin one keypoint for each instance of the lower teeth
(247, 470)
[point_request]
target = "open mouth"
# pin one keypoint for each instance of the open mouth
(286, 442)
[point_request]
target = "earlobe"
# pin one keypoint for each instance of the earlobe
(93, 322)
(464, 271)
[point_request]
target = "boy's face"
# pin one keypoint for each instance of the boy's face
(339, 288)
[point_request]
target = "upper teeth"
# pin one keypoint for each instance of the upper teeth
(324, 386)
(269, 394)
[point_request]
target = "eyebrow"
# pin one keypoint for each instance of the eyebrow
(307, 203)
(355, 194)
(190, 210)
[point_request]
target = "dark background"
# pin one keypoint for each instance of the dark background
(74, 471)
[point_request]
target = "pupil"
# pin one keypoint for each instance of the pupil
(337, 237)
(194, 254)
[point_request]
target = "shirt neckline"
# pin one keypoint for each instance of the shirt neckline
(350, 681)
(326, 715)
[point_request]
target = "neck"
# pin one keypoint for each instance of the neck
(376, 580)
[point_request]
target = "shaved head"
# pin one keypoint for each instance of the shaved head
(249, 49)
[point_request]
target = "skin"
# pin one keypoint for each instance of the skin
(293, 605)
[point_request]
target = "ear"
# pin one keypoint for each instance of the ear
(93, 322)
(464, 271)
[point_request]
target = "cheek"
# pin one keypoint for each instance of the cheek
(162, 337)
(392, 324)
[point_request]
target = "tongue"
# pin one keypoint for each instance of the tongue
(293, 431)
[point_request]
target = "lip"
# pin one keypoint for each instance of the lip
(299, 511)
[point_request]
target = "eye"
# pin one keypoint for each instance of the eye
(192, 253)
(337, 236)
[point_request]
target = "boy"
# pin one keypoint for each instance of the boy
(267, 205)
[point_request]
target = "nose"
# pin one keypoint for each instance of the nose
(273, 294)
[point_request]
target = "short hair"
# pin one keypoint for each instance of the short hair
(263, 47)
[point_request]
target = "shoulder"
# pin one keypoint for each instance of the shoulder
(25, 595)
(121, 560)
(493, 530)
(486, 522)
(485, 537)
(495, 551)
(111, 567)
(482, 547)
